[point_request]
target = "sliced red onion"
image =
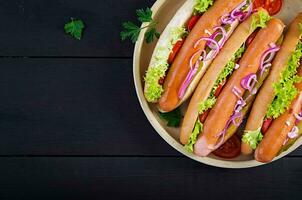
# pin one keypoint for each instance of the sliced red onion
(197, 53)
(271, 52)
(264, 68)
(222, 134)
(237, 66)
(187, 81)
(298, 116)
(216, 49)
(294, 133)
(237, 13)
(207, 40)
(237, 92)
(249, 82)
(227, 19)
(224, 35)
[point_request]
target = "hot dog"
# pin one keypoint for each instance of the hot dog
(218, 73)
(215, 22)
(282, 128)
(238, 91)
(208, 82)
(270, 104)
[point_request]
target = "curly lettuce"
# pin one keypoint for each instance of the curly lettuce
(228, 69)
(285, 90)
(260, 20)
(202, 5)
(193, 137)
(158, 70)
(252, 138)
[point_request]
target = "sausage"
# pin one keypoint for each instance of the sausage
(224, 107)
(266, 94)
(203, 90)
(277, 133)
(180, 67)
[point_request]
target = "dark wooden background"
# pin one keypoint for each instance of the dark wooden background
(71, 126)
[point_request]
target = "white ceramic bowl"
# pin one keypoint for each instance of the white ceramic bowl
(163, 11)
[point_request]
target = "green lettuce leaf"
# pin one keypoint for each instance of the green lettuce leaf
(285, 90)
(253, 138)
(202, 5)
(228, 69)
(160, 66)
(192, 140)
(260, 20)
(207, 104)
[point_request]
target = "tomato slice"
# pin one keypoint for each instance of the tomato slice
(161, 81)
(266, 125)
(203, 116)
(272, 6)
(175, 50)
(192, 22)
(219, 89)
(230, 149)
(251, 38)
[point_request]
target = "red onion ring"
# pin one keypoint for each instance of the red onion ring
(224, 35)
(265, 67)
(227, 19)
(249, 82)
(294, 133)
(271, 52)
(240, 15)
(191, 59)
(187, 81)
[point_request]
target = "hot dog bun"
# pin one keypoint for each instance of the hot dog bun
(205, 86)
(180, 67)
(179, 20)
(277, 133)
(266, 94)
(224, 107)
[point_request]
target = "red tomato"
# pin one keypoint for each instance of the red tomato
(192, 22)
(230, 149)
(218, 91)
(175, 50)
(251, 38)
(203, 116)
(272, 6)
(161, 81)
(266, 125)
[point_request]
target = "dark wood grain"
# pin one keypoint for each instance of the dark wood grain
(145, 178)
(35, 27)
(74, 107)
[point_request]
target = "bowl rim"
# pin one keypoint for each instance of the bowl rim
(165, 135)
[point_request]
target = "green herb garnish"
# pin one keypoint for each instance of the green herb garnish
(173, 118)
(75, 28)
(132, 31)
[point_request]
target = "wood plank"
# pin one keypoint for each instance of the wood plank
(35, 27)
(145, 178)
(74, 107)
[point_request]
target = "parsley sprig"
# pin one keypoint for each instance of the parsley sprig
(74, 28)
(132, 31)
(172, 118)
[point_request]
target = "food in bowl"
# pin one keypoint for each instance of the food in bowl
(239, 133)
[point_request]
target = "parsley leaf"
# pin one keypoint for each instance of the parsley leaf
(144, 15)
(132, 31)
(173, 118)
(75, 28)
(151, 34)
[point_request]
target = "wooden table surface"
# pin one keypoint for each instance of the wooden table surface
(71, 126)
